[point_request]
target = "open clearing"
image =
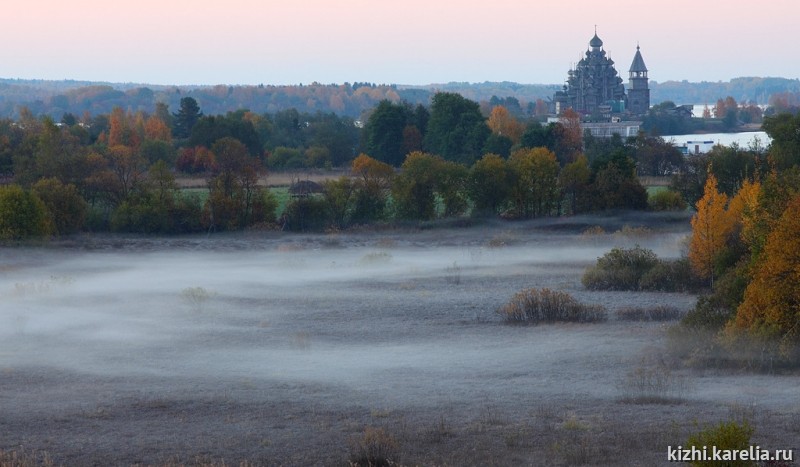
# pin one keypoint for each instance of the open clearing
(282, 349)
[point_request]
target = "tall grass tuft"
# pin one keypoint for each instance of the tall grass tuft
(534, 306)
(376, 448)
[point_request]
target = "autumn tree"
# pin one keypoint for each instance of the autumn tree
(371, 185)
(22, 214)
(710, 227)
(338, 195)
(573, 181)
(451, 187)
(122, 130)
(66, 207)
(568, 136)
(414, 189)
(235, 199)
(156, 129)
(127, 166)
(771, 306)
(489, 184)
(501, 122)
(534, 192)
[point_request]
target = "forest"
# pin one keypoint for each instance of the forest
(121, 171)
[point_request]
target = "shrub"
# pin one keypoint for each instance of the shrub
(533, 306)
(666, 200)
(628, 231)
(620, 269)
(22, 214)
(725, 435)
(593, 231)
(67, 208)
(453, 274)
(652, 383)
(196, 297)
(671, 276)
(657, 313)
(285, 158)
(708, 313)
(376, 448)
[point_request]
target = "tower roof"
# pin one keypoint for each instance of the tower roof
(638, 65)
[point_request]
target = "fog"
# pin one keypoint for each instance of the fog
(396, 322)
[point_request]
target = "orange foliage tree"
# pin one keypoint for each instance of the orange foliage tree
(156, 130)
(771, 306)
(710, 228)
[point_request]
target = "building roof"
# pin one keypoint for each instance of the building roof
(638, 65)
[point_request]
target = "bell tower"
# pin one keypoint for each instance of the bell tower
(638, 89)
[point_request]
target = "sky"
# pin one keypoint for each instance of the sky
(386, 41)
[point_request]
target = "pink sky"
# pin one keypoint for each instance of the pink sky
(409, 42)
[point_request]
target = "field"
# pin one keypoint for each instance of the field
(282, 349)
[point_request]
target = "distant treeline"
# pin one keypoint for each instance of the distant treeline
(55, 98)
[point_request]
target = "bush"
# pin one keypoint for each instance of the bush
(657, 313)
(715, 310)
(671, 276)
(725, 435)
(22, 214)
(533, 306)
(650, 383)
(620, 269)
(666, 200)
(67, 208)
(708, 313)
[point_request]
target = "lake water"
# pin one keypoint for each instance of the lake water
(744, 139)
(705, 142)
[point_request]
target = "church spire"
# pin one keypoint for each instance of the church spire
(638, 68)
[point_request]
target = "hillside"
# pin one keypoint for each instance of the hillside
(55, 98)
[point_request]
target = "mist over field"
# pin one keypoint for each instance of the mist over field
(281, 348)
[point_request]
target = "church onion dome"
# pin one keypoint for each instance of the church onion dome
(638, 65)
(596, 42)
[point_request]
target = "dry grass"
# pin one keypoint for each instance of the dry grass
(196, 297)
(375, 448)
(501, 240)
(24, 458)
(452, 274)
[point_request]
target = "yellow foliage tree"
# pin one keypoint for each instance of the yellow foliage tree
(502, 123)
(535, 190)
(746, 212)
(771, 305)
(372, 171)
(710, 228)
